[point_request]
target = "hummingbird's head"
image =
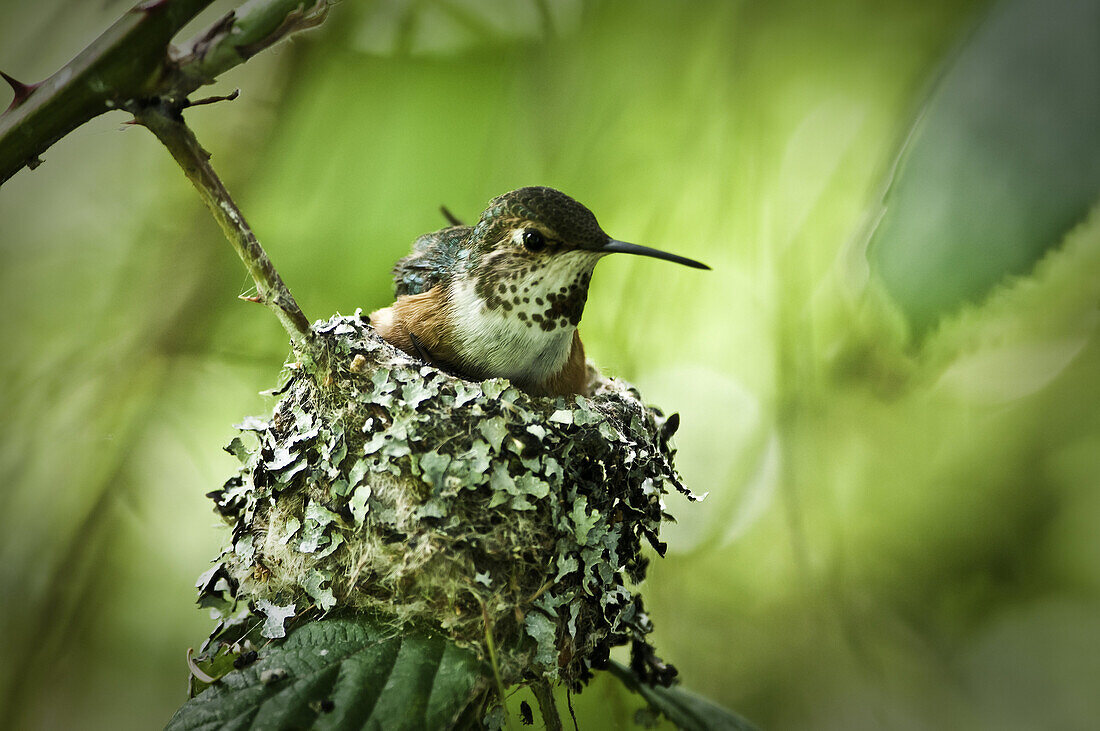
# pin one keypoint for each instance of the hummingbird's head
(533, 251)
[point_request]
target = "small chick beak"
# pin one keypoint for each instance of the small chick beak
(614, 246)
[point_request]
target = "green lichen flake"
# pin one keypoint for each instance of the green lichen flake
(275, 618)
(385, 486)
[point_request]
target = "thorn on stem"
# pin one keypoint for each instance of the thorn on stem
(21, 90)
(34, 162)
(251, 298)
(211, 100)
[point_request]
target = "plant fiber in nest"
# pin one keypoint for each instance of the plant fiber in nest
(383, 485)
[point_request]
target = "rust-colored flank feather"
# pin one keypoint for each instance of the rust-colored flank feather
(426, 316)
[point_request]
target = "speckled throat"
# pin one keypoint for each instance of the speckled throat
(516, 317)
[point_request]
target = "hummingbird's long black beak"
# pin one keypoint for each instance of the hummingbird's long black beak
(614, 246)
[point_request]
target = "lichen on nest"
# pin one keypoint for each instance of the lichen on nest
(383, 485)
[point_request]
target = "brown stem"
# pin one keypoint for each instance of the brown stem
(549, 710)
(134, 59)
(125, 62)
(167, 124)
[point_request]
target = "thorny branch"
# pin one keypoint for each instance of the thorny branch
(134, 66)
(135, 60)
(166, 122)
(239, 35)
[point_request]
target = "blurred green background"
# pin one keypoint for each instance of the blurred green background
(896, 419)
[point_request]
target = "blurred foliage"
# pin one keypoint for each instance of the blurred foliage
(899, 534)
(342, 674)
(1004, 159)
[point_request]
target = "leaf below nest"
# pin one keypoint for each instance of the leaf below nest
(342, 674)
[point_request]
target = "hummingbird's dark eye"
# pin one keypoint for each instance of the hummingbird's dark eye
(533, 240)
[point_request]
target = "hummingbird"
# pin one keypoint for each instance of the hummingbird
(503, 298)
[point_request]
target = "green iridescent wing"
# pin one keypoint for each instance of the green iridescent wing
(433, 258)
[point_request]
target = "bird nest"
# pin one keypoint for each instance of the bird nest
(383, 485)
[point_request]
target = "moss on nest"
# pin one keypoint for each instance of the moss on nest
(383, 485)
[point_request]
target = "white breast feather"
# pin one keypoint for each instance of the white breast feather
(498, 342)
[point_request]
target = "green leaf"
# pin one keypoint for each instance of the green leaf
(690, 712)
(341, 674)
(214, 667)
(1003, 161)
